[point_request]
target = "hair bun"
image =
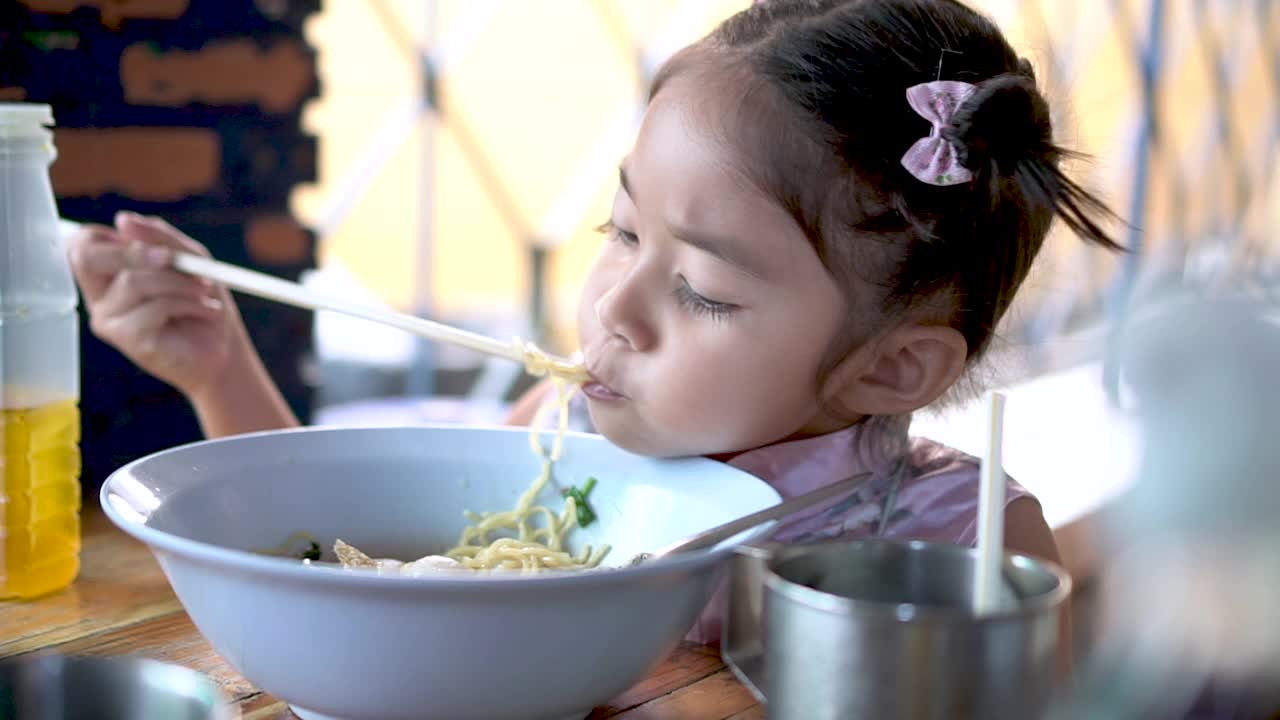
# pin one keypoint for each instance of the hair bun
(1005, 121)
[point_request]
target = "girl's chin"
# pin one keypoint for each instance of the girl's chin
(619, 425)
(629, 438)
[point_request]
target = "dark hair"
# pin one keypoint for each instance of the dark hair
(821, 92)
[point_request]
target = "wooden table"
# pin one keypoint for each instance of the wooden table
(122, 604)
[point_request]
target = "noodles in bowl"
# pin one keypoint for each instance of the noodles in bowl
(525, 546)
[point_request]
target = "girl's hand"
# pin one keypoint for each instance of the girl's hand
(174, 326)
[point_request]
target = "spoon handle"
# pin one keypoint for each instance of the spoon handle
(720, 533)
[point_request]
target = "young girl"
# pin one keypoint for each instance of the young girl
(829, 206)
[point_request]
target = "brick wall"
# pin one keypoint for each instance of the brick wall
(188, 109)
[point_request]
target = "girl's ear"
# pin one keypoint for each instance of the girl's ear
(900, 372)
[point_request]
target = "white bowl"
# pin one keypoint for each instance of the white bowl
(354, 645)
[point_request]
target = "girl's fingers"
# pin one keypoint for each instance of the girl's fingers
(133, 286)
(156, 232)
(139, 330)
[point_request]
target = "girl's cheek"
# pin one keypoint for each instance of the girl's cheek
(596, 280)
(602, 271)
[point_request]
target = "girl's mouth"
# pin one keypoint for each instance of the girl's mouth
(597, 390)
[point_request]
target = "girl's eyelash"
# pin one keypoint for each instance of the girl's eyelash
(615, 233)
(690, 300)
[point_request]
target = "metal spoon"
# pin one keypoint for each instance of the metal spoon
(720, 533)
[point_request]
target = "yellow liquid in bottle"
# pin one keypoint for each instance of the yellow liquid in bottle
(40, 502)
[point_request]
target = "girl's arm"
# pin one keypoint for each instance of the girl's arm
(1027, 533)
(242, 398)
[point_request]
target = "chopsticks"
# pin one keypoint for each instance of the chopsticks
(251, 282)
(291, 293)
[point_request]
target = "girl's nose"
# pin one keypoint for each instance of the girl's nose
(623, 312)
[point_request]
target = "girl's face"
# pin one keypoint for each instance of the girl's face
(707, 314)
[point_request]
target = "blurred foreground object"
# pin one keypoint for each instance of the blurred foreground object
(1193, 585)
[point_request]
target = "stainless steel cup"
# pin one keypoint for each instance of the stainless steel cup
(58, 687)
(884, 629)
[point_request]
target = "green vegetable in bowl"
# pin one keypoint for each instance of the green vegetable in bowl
(586, 515)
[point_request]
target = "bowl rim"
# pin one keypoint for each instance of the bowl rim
(288, 569)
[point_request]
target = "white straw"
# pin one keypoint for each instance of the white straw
(987, 579)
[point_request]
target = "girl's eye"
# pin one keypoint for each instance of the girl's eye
(698, 304)
(616, 233)
(688, 298)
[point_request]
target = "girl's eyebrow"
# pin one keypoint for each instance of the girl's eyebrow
(725, 249)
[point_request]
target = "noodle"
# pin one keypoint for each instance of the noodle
(539, 364)
(533, 548)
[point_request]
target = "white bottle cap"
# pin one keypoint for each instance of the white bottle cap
(27, 122)
(28, 114)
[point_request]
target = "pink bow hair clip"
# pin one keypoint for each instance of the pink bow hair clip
(934, 159)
